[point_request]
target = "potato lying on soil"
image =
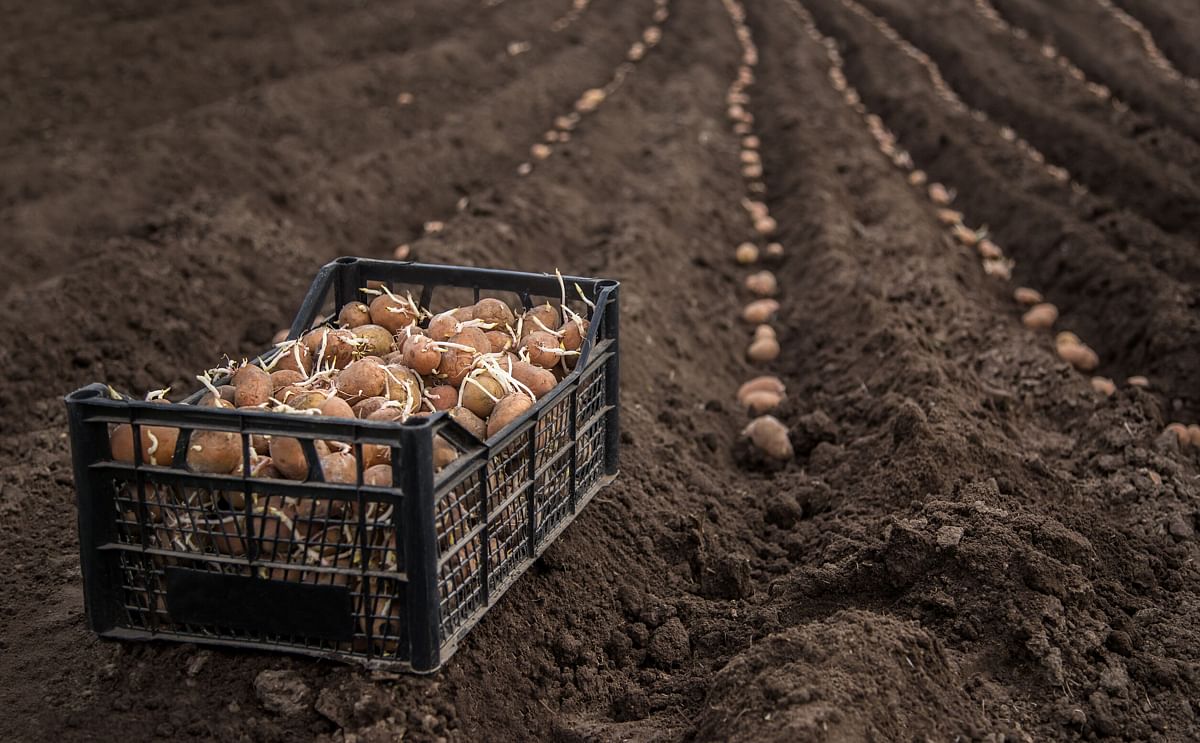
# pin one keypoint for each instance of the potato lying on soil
(763, 349)
(770, 437)
(1075, 352)
(1040, 316)
(762, 283)
(762, 383)
(1026, 296)
(760, 311)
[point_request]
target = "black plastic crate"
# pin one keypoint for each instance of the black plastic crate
(390, 578)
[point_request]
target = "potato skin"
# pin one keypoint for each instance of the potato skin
(510, 407)
(379, 340)
(252, 387)
(214, 452)
(354, 314)
(480, 393)
(361, 379)
(288, 456)
(442, 396)
(540, 345)
(494, 312)
(539, 381)
(421, 355)
(469, 421)
(390, 313)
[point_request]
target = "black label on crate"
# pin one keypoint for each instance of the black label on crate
(258, 605)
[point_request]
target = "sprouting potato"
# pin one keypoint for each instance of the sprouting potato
(494, 312)
(214, 452)
(939, 195)
(443, 452)
(361, 379)
(252, 387)
(288, 456)
(392, 313)
(285, 378)
(442, 396)
(541, 317)
(542, 348)
(442, 326)
(340, 467)
(364, 408)
(421, 354)
(480, 393)
(294, 356)
(354, 314)
(378, 476)
(336, 407)
(539, 381)
(376, 339)
(573, 332)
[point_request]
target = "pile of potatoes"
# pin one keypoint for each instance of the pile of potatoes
(389, 360)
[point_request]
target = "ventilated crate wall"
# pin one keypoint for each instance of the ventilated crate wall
(250, 529)
(541, 473)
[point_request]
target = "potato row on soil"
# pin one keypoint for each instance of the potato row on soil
(971, 542)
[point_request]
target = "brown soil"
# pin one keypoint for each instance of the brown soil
(971, 542)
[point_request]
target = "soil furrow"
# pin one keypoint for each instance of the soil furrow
(255, 45)
(304, 125)
(1109, 53)
(1107, 278)
(1175, 27)
(906, 405)
(1034, 97)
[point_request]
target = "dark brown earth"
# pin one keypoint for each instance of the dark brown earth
(971, 543)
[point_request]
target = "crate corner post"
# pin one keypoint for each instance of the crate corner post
(414, 471)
